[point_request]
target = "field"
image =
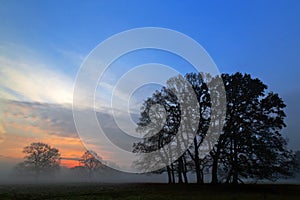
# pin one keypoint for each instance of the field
(148, 191)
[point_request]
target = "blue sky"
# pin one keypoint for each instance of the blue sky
(43, 43)
(259, 37)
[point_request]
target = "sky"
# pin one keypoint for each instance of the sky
(43, 44)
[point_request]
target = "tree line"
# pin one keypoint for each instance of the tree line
(249, 145)
(43, 160)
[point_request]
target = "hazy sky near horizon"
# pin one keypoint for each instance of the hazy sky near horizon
(43, 43)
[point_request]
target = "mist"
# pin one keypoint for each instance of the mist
(66, 175)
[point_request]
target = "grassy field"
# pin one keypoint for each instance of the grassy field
(148, 191)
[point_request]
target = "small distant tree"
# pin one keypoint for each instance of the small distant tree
(40, 159)
(91, 161)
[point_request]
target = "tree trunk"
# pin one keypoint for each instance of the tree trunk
(169, 175)
(214, 171)
(235, 163)
(173, 174)
(199, 179)
(179, 169)
(184, 169)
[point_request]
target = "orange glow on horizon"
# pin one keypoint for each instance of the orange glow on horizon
(69, 163)
(17, 130)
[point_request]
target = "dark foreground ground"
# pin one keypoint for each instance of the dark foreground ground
(148, 191)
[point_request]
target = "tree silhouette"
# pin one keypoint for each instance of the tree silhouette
(162, 113)
(177, 119)
(91, 161)
(249, 145)
(40, 159)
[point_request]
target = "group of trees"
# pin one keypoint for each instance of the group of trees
(43, 160)
(231, 145)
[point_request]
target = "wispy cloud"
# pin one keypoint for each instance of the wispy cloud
(29, 81)
(25, 122)
(2, 132)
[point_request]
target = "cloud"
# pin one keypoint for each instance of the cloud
(27, 122)
(25, 77)
(55, 119)
(36, 106)
(72, 56)
(27, 81)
